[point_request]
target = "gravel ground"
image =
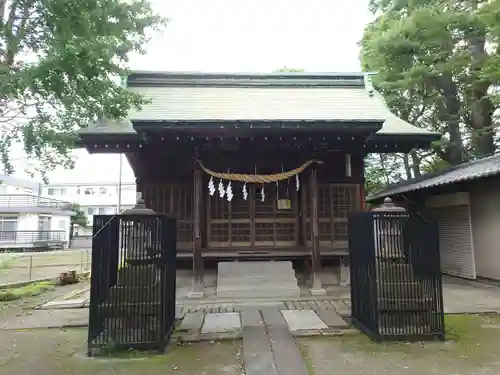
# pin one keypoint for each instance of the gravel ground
(471, 348)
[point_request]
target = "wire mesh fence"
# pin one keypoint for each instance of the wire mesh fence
(22, 267)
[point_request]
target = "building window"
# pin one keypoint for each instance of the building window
(89, 191)
(53, 191)
(8, 228)
(102, 210)
(103, 190)
(90, 211)
(64, 191)
(78, 192)
(44, 224)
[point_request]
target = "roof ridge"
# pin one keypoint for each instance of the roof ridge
(144, 78)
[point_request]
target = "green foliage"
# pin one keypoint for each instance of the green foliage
(381, 170)
(29, 290)
(59, 64)
(80, 218)
(438, 65)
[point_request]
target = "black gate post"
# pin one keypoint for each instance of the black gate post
(132, 299)
(396, 287)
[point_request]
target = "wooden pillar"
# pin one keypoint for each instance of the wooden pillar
(198, 290)
(317, 286)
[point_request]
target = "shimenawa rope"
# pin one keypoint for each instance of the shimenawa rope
(258, 178)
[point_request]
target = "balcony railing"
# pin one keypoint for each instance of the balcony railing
(30, 237)
(26, 200)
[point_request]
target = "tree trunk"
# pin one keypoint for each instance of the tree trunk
(408, 169)
(415, 166)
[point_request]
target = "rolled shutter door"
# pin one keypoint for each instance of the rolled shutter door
(455, 241)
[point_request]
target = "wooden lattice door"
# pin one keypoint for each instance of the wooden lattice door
(275, 227)
(177, 200)
(229, 223)
(335, 203)
(253, 222)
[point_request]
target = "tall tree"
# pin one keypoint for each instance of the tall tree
(79, 219)
(437, 63)
(59, 60)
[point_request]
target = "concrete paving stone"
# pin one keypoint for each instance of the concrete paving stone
(251, 318)
(298, 320)
(49, 319)
(64, 304)
(331, 318)
(216, 336)
(257, 355)
(192, 322)
(273, 317)
(259, 305)
(221, 322)
(287, 356)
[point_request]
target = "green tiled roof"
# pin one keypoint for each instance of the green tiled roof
(258, 97)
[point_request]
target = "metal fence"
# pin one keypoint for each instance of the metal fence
(26, 200)
(132, 293)
(30, 237)
(396, 287)
(17, 267)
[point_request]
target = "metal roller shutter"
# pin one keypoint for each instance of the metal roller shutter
(455, 241)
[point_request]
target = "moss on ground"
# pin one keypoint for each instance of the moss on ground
(471, 337)
(29, 290)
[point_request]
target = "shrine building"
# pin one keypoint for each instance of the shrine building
(263, 166)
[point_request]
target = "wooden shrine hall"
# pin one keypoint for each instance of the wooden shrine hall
(255, 165)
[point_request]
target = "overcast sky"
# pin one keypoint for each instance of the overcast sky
(241, 36)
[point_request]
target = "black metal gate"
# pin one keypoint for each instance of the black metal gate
(396, 288)
(132, 293)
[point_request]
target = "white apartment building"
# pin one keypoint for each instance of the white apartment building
(28, 220)
(104, 198)
(100, 184)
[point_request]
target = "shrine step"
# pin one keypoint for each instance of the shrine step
(256, 279)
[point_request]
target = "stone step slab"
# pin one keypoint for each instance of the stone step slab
(257, 279)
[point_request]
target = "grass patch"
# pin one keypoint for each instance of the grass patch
(29, 290)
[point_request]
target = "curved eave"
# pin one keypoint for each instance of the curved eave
(395, 143)
(156, 126)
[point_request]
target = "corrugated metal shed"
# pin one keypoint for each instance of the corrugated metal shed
(481, 168)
